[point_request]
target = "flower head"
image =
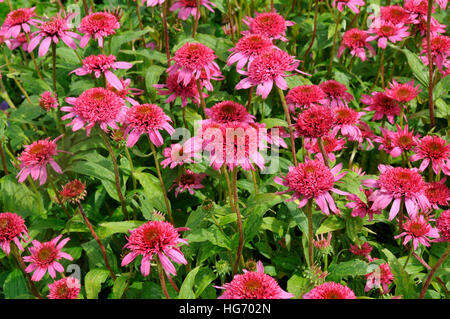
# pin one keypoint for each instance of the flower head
(356, 41)
(351, 4)
(269, 24)
(151, 3)
(361, 250)
(189, 7)
(323, 244)
(382, 277)
(336, 93)
(383, 105)
(126, 91)
(98, 25)
(443, 225)
(331, 144)
(437, 193)
(360, 208)
(229, 111)
(65, 288)
(440, 50)
(386, 31)
(315, 121)
(402, 141)
(48, 101)
(189, 181)
(418, 230)
(175, 89)
(13, 43)
(12, 229)
(304, 96)
(74, 191)
(330, 290)
(397, 14)
(18, 20)
(346, 122)
(402, 92)
(433, 149)
(247, 48)
(178, 154)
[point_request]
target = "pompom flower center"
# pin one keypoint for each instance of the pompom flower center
(4, 223)
(417, 229)
(387, 30)
(402, 181)
(46, 255)
(151, 236)
(252, 285)
(346, 115)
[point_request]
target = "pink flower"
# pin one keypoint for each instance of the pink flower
(152, 3)
(126, 91)
(385, 140)
(189, 7)
(386, 31)
(435, 27)
(361, 250)
(101, 64)
(397, 14)
(351, 4)
(178, 154)
(188, 181)
(97, 25)
(247, 48)
(437, 193)
(304, 96)
(44, 257)
(330, 290)
(356, 41)
(402, 92)
(440, 50)
(418, 230)
(146, 118)
(366, 134)
(323, 243)
(254, 285)
(12, 229)
(433, 149)
(65, 288)
(20, 41)
(382, 277)
(229, 111)
(360, 208)
(73, 191)
(48, 100)
(315, 122)
(313, 179)
(269, 24)
(336, 93)
(330, 143)
(53, 30)
(175, 89)
(383, 105)
(155, 238)
(397, 183)
(402, 141)
(443, 225)
(18, 20)
(34, 160)
(96, 105)
(346, 122)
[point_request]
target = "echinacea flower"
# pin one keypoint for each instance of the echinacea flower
(44, 257)
(253, 285)
(397, 14)
(323, 244)
(356, 41)
(361, 250)
(102, 64)
(97, 25)
(269, 24)
(73, 191)
(48, 101)
(126, 91)
(419, 230)
(331, 144)
(96, 105)
(383, 105)
(53, 30)
(34, 160)
(380, 278)
(189, 7)
(314, 122)
(313, 180)
(443, 225)
(19, 20)
(346, 123)
(158, 238)
(174, 89)
(149, 119)
(433, 149)
(385, 140)
(20, 41)
(65, 288)
(402, 141)
(360, 208)
(437, 193)
(247, 48)
(151, 3)
(12, 229)
(304, 96)
(330, 290)
(189, 181)
(440, 50)
(386, 31)
(229, 111)
(336, 93)
(402, 92)
(366, 135)
(178, 154)
(351, 4)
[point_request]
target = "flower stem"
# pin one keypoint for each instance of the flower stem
(310, 231)
(2, 155)
(352, 156)
(166, 31)
(430, 65)
(102, 248)
(38, 196)
(15, 80)
(230, 193)
(11, 8)
(116, 174)
(433, 270)
(59, 200)
(380, 72)
(313, 37)
(202, 99)
(250, 96)
(288, 119)
(54, 66)
(333, 48)
(19, 260)
(141, 26)
(162, 280)
(323, 152)
(239, 221)
(34, 59)
(400, 214)
(196, 18)
(86, 8)
(407, 259)
(230, 18)
(255, 184)
(172, 283)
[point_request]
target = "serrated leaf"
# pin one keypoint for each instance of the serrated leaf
(93, 282)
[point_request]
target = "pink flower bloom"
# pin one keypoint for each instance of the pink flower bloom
(360, 208)
(178, 154)
(44, 257)
(418, 230)
(34, 160)
(315, 121)
(48, 101)
(351, 4)
(254, 285)
(383, 105)
(402, 92)
(382, 277)
(191, 60)
(146, 118)
(361, 250)
(276, 136)
(366, 134)
(440, 50)
(152, 3)
(176, 89)
(188, 181)
(97, 25)
(189, 7)
(443, 225)
(65, 288)
(20, 41)
(247, 48)
(330, 290)
(266, 69)
(269, 24)
(101, 64)
(229, 111)
(402, 141)
(330, 143)
(126, 91)
(336, 93)
(19, 20)
(437, 193)
(12, 229)
(386, 31)
(323, 243)
(433, 149)
(397, 183)
(346, 122)
(397, 14)
(385, 140)
(155, 238)
(356, 41)
(96, 105)
(304, 96)
(74, 191)
(442, 4)
(313, 179)
(419, 7)
(53, 30)
(435, 27)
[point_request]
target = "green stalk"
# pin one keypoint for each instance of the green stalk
(288, 119)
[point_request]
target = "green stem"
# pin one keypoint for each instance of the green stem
(202, 99)
(54, 66)
(310, 232)
(380, 72)
(196, 18)
(141, 25)
(430, 65)
(323, 152)
(433, 270)
(333, 49)
(166, 32)
(239, 221)
(2, 155)
(162, 280)
(36, 192)
(288, 119)
(313, 37)
(255, 184)
(19, 260)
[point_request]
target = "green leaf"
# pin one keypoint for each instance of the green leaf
(419, 70)
(93, 282)
(125, 37)
(186, 291)
(152, 77)
(353, 227)
(111, 228)
(330, 224)
(441, 88)
(16, 197)
(404, 284)
(152, 188)
(296, 285)
(119, 287)
(351, 268)
(272, 122)
(351, 183)
(204, 279)
(15, 286)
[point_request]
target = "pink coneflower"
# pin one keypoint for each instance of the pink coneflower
(402, 92)
(12, 229)
(229, 111)
(361, 250)
(351, 4)
(380, 278)
(435, 27)
(330, 290)
(146, 118)
(20, 41)
(360, 208)
(191, 60)
(155, 238)
(397, 183)
(151, 3)
(126, 91)
(53, 30)
(97, 25)
(315, 121)
(74, 191)
(419, 7)
(304, 96)
(266, 69)
(276, 136)
(385, 140)
(437, 193)
(34, 160)
(65, 288)
(402, 141)
(397, 14)
(178, 154)
(331, 144)
(175, 89)
(346, 122)
(188, 181)
(323, 244)
(435, 149)
(418, 230)
(247, 48)
(96, 105)
(386, 31)
(101, 64)
(48, 101)
(313, 179)
(19, 20)
(383, 106)
(440, 50)
(336, 93)
(356, 41)
(44, 257)
(443, 225)
(366, 135)
(254, 285)
(189, 7)
(269, 24)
